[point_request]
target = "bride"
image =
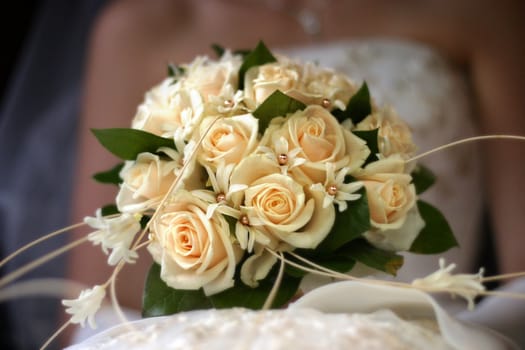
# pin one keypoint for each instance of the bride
(453, 75)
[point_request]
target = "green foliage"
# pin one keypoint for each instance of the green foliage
(436, 236)
(333, 261)
(174, 71)
(422, 178)
(144, 221)
(254, 298)
(171, 70)
(371, 138)
(218, 49)
(109, 209)
(276, 105)
(349, 224)
(379, 259)
(160, 299)
(110, 176)
(127, 144)
(358, 108)
(259, 56)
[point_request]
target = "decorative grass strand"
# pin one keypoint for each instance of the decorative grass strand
(38, 241)
(55, 335)
(36, 263)
(503, 276)
(275, 288)
(463, 141)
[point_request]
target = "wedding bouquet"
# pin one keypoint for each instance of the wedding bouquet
(232, 165)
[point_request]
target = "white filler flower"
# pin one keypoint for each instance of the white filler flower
(85, 306)
(467, 286)
(116, 234)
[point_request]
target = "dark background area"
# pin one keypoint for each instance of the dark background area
(16, 19)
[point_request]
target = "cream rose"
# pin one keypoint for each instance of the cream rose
(146, 181)
(168, 108)
(288, 211)
(194, 251)
(395, 136)
(321, 139)
(392, 202)
(261, 81)
(328, 84)
(211, 78)
(305, 82)
(228, 140)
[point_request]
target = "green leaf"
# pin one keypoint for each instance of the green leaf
(218, 49)
(422, 178)
(358, 108)
(376, 258)
(276, 105)
(436, 236)
(349, 224)
(242, 52)
(241, 295)
(336, 262)
(171, 70)
(128, 143)
(259, 56)
(109, 209)
(144, 221)
(111, 176)
(294, 271)
(160, 300)
(174, 71)
(371, 138)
